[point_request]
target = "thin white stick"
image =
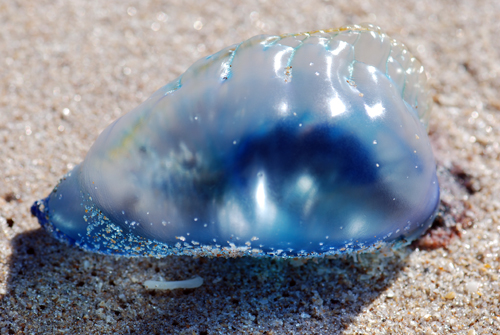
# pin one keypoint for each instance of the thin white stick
(172, 285)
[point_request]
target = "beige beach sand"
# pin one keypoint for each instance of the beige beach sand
(68, 68)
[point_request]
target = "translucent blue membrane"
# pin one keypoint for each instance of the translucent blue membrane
(297, 145)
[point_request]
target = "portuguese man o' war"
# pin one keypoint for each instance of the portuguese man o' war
(300, 145)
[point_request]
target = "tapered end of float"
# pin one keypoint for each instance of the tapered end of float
(40, 210)
(61, 214)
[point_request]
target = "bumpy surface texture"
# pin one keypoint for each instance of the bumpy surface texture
(295, 145)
